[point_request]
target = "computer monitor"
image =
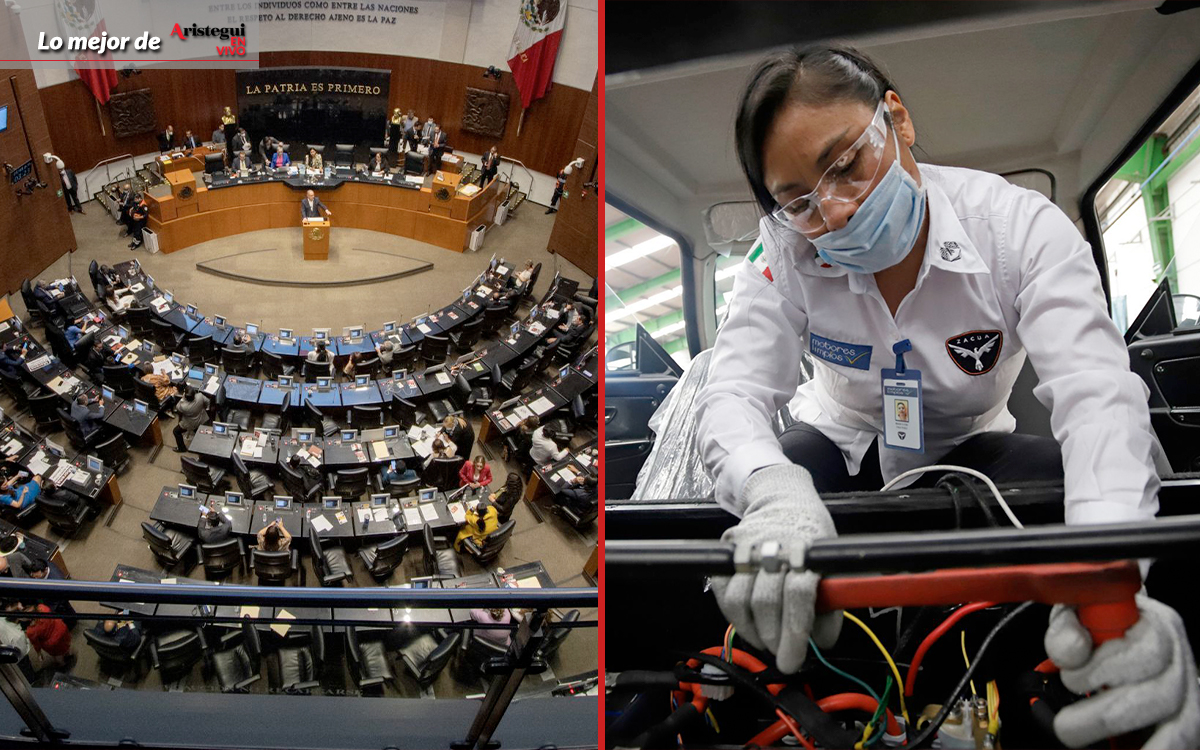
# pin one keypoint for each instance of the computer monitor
(234, 498)
(362, 381)
(195, 373)
(147, 346)
(95, 465)
(434, 370)
(320, 334)
(324, 383)
(457, 493)
(285, 381)
(107, 393)
(465, 358)
(349, 436)
(399, 374)
(305, 436)
(562, 373)
(425, 494)
(190, 310)
(379, 501)
(514, 329)
(187, 492)
(210, 369)
(353, 332)
(55, 449)
(285, 333)
(214, 163)
(389, 327)
(149, 279)
(123, 332)
(252, 329)
(220, 428)
(283, 502)
(177, 358)
(218, 321)
(141, 407)
(168, 297)
(391, 431)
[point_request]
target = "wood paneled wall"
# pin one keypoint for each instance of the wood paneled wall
(36, 228)
(576, 226)
(194, 99)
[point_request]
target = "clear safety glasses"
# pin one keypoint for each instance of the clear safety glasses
(846, 180)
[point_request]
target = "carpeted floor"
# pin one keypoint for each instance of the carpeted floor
(109, 541)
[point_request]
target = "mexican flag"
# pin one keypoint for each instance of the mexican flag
(83, 18)
(535, 47)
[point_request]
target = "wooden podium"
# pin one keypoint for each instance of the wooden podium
(316, 239)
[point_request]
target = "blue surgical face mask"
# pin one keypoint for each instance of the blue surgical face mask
(883, 229)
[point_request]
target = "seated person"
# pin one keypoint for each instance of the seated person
(523, 276)
(543, 448)
(497, 616)
(240, 342)
(506, 498)
(480, 523)
(49, 636)
(74, 332)
(96, 358)
(89, 420)
(313, 160)
(280, 158)
(320, 355)
(43, 569)
(440, 449)
(42, 293)
(215, 528)
(127, 633)
(458, 430)
(241, 163)
(11, 632)
(12, 362)
(385, 352)
(351, 367)
(19, 495)
(168, 394)
(377, 165)
(475, 474)
(580, 495)
(274, 537)
(117, 304)
(397, 473)
(12, 559)
(312, 476)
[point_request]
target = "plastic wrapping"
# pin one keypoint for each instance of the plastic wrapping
(673, 470)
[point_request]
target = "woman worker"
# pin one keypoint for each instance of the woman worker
(935, 282)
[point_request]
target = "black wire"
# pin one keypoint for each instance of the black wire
(949, 486)
(932, 727)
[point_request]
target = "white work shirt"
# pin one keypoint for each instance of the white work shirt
(66, 180)
(1002, 264)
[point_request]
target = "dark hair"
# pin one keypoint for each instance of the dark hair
(9, 544)
(212, 517)
(35, 566)
(513, 485)
(817, 74)
(271, 537)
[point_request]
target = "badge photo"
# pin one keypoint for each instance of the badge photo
(975, 352)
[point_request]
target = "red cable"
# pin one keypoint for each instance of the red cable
(911, 679)
(828, 704)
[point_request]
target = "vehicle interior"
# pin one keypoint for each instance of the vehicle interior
(1094, 104)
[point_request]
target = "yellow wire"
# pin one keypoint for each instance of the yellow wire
(968, 661)
(713, 719)
(886, 655)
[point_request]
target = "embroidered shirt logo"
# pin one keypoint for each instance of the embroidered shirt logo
(975, 352)
(758, 259)
(951, 251)
(857, 356)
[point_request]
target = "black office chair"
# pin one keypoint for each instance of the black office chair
(369, 366)
(434, 349)
(368, 657)
(310, 371)
(274, 365)
(174, 653)
(319, 148)
(443, 473)
(119, 378)
(425, 658)
(137, 319)
(170, 547)
(366, 417)
(114, 659)
(325, 424)
(481, 651)
(237, 361)
(65, 512)
(272, 421)
(406, 413)
(406, 357)
(238, 661)
(201, 349)
(252, 482)
(494, 316)
(467, 335)
(492, 544)
(383, 558)
(75, 434)
(440, 408)
(114, 452)
(275, 568)
(440, 557)
(232, 414)
(143, 391)
(381, 151)
(222, 558)
(398, 487)
(350, 484)
(295, 665)
(514, 381)
(329, 561)
(19, 391)
(579, 518)
(165, 335)
(343, 155)
(34, 314)
(555, 637)
(44, 409)
(467, 399)
(206, 478)
(94, 275)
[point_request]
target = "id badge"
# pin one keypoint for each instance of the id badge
(903, 427)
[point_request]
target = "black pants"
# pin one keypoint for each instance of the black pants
(72, 196)
(135, 230)
(486, 176)
(436, 157)
(393, 138)
(557, 194)
(1004, 457)
(179, 432)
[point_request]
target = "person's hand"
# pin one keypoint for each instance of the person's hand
(1145, 678)
(775, 610)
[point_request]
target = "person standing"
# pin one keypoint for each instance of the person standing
(437, 146)
(559, 185)
(138, 215)
(192, 410)
(395, 127)
(232, 131)
(490, 165)
(410, 131)
(427, 131)
(311, 207)
(70, 187)
(166, 139)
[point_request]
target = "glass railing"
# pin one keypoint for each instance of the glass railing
(190, 663)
